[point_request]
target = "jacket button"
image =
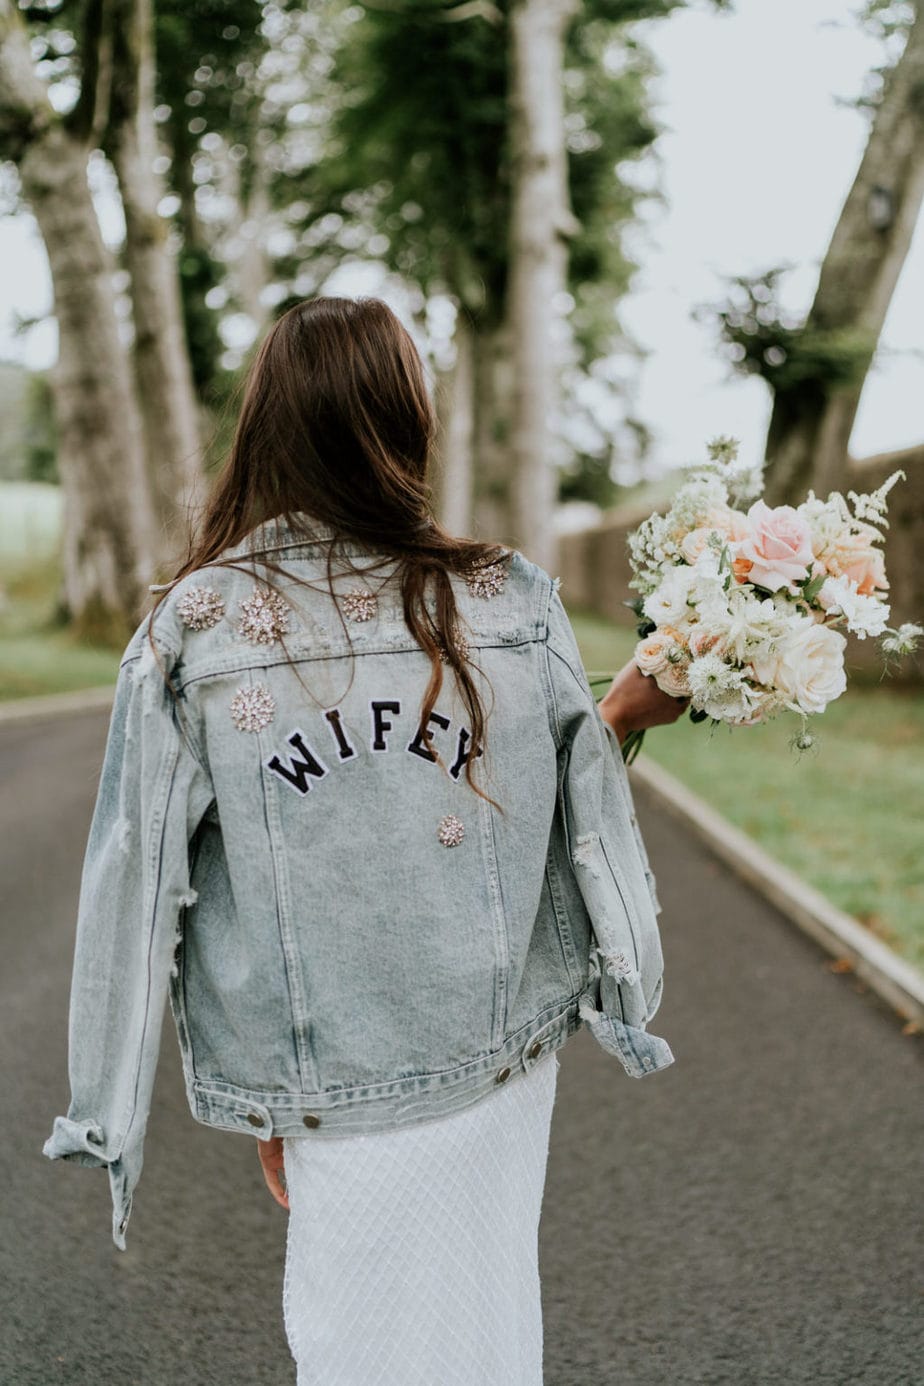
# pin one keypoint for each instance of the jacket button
(311, 1120)
(503, 1075)
(535, 1049)
(255, 1119)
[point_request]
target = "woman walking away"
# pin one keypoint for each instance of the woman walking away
(362, 820)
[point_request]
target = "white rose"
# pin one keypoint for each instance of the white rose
(808, 666)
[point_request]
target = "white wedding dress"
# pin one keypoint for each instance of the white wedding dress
(412, 1255)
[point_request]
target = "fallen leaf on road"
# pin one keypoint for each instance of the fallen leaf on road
(839, 965)
(911, 1027)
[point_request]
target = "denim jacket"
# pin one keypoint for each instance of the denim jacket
(351, 940)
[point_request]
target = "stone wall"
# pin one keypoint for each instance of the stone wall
(594, 567)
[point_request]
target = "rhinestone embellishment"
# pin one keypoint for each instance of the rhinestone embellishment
(451, 830)
(460, 643)
(200, 608)
(359, 604)
(487, 580)
(265, 617)
(253, 708)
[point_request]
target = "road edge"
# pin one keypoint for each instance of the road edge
(46, 705)
(898, 982)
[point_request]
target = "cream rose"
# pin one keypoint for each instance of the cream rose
(693, 543)
(808, 666)
(651, 652)
(778, 546)
(672, 679)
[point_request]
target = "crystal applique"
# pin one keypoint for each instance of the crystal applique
(200, 607)
(253, 708)
(451, 830)
(359, 604)
(461, 644)
(265, 617)
(487, 580)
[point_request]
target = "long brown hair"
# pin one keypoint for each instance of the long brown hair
(336, 425)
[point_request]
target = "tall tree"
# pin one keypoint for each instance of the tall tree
(110, 537)
(541, 224)
(817, 369)
(166, 393)
(416, 171)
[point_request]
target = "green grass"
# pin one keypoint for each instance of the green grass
(37, 654)
(847, 816)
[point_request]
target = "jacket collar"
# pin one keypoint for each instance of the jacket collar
(279, 533)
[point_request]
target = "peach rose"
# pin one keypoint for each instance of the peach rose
(651, 652)
(778, 546)
(701, 642)
(732, 523)
(673, 679)
(863, 565)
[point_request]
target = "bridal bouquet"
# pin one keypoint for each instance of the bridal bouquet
(743, 611)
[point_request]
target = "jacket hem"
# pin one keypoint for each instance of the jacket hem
(382, 1106)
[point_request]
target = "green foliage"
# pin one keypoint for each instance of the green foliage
(28, 448)
(206, 52)
(762, 339)
(40, 434)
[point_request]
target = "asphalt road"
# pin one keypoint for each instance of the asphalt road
(750, 1215)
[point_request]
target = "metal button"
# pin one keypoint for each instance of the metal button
(503, 1075)
(255, 1119)
(311, 1120)
(535, 1049)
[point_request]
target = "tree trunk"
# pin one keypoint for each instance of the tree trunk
(160, 356)
(109, 532)
(810, 427)
(541, 222)
(492, 490)
(456, 413)
(108, 526)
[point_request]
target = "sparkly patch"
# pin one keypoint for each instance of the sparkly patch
(253, 708)
(451, 830)
(487, 580)
(461, 645)
(200, 607)
(359, 604)
(265, 617)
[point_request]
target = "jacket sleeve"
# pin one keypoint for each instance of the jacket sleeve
(609, 861)
(152, 793)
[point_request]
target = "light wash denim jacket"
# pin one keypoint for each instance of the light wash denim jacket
(350, 938)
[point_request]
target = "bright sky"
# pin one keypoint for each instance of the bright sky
(756, 159)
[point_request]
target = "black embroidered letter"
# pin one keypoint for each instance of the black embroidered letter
(461, 754)
(379, 725)
(345, 749)
(299, 772)
(417, 745)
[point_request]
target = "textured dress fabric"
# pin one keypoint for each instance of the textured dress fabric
(412, 1255)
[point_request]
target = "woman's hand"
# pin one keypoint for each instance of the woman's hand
(634, 702)
(273, 1165)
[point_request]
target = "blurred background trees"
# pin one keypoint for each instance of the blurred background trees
(474, 159)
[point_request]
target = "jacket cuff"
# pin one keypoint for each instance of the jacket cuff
(78, 1141)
